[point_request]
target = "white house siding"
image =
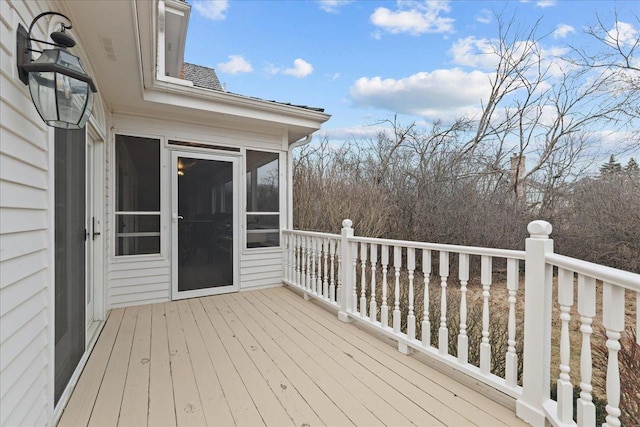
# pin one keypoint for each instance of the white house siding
(147, 279)
(260, 268)
(25, 242)
(26, 234)
(139, 282)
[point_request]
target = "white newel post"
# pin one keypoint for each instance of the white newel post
(537, 325)
(346, 272)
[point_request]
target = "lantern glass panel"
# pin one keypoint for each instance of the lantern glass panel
(42, 88)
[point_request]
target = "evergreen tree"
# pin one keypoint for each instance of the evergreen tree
(611, 167)
(632, 167)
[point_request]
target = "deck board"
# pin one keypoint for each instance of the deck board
(261, 358)
(185, 391)
(214, 402)
(79, 408)
(133, 411)
(106, 410)
(452, 394)
(326, 408)
(161, 408)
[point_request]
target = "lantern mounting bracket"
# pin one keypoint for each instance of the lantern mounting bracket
(24, 39)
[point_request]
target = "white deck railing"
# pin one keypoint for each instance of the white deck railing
(375, 281)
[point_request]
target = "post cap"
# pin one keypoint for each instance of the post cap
(347, 223)
(539, 229)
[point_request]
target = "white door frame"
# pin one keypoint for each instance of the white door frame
(235, 161)
(95, 238)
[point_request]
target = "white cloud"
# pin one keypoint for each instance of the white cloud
(542, 3)
(437, 94)
(301, 68)
(333, 6)
(623, 33)
(473, 52)
(485, 16)
(236, 64)
(546, 3)
(212, 9)
(562, 31)
(414, 17)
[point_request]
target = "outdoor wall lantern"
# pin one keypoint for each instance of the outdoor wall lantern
(60, 89)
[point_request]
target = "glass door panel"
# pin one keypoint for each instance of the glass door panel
(70, 238)
(205, 221)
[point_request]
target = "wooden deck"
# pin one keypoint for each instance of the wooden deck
(261, 358)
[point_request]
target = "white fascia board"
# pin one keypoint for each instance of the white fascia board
(230, 104)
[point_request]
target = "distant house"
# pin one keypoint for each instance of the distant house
(175, 188)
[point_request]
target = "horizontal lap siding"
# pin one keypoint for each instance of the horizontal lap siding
(258, 269)
(25, 252)
(139, 282)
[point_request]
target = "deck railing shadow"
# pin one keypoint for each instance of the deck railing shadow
(489, 312)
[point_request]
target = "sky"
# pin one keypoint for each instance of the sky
(364, 61)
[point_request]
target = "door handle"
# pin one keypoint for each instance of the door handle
(176, 217)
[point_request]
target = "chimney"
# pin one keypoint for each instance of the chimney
(516, 178)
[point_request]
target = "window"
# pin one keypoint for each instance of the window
(137, 195)
(263, 199)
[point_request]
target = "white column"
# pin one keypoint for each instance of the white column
(443, 332)
(426, 324)
(564, 387)
(372, 301)
(485, 345)
(587, 310)
(363, 279)
(411, 317)
(332, 281)
(511, 358)
(397, 264)
(537, 325)
(384, 309)
(613, 312)
(346, 273)
(463, 339)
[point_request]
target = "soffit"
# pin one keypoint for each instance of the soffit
(118, 38)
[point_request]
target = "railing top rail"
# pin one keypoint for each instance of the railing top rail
(312, 234)
(614, 276)
(471, 250)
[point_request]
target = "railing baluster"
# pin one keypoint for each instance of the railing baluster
(463, 339)
(511, 358)
(297, 261)
(307, 262)
(319, 267)
(374, 264)
(485, 346)
(411, 318)
(312, 283)
(563, 386)
(332, 283)
(363, 279)
(426, 323)
(613, 321)
(443, 332)
(291, 267)
(587, 310)
(340, 267)
(285, 257)
(354, 294)
(384, 309)
(325, 278)
(397, 264)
